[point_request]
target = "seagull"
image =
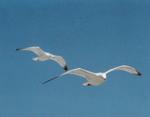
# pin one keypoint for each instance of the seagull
(95, 79)
(44, 56)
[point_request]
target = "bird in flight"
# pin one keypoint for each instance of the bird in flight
(94, 79)
(44, 56)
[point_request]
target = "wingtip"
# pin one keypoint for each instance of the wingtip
(45, 82)
(66, 68)
(18, 49)
(139, 73)
(50, 79)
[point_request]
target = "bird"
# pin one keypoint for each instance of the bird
(44, 56)
(95, 79)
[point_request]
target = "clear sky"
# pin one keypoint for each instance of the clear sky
(94, 34)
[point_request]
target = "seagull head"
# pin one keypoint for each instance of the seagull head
(87, 84)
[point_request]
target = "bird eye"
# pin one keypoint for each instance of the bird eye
(89, 84)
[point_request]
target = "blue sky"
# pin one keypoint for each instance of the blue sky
(96, 35)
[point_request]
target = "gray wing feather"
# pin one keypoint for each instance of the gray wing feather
(37, 50)
(60, 60)
(126, 68)
(80, 72)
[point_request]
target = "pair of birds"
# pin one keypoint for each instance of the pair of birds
(93, 79)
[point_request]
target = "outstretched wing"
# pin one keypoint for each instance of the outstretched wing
(78, 71)
(61, 61)
(35, 49)
(126, 68)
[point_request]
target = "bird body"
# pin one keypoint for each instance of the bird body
(44, 56)
(95, 79)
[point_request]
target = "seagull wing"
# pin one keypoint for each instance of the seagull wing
(126, 68)
(35, 49)
(78, 71)
(61, 61)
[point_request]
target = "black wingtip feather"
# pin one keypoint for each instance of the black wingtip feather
(50, 79)
(18, 49)
(139, 74)
(66, 68)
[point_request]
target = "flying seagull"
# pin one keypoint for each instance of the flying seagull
(44, 56)
(94, 79)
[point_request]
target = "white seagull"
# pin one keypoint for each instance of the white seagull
(44, 56)
(94, 79)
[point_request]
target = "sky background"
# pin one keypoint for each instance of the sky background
(93, 34)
